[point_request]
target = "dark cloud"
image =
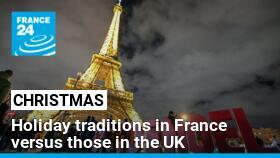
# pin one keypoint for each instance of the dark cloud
(214, 54)
(181, 55)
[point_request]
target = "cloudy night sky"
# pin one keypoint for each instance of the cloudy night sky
(188, 56)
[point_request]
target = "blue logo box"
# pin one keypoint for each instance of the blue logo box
(33, 33)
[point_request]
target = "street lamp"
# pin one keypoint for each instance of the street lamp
(184, 116)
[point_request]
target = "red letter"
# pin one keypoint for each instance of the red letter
(203, 145)
(247, 133)
(220, 137)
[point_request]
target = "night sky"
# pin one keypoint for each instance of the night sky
(189, 56)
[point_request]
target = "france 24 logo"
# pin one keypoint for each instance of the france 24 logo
(33, 34)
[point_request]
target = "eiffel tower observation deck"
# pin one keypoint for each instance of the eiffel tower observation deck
(102, 74)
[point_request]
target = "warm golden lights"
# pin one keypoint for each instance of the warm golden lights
(103, 73)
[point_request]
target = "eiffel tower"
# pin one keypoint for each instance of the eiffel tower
(103, 73)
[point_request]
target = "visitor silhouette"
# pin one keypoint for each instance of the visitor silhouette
(5, 84)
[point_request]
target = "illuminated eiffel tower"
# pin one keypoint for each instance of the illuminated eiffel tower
(103, 73)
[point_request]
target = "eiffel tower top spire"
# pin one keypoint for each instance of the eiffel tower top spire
(110, 45)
